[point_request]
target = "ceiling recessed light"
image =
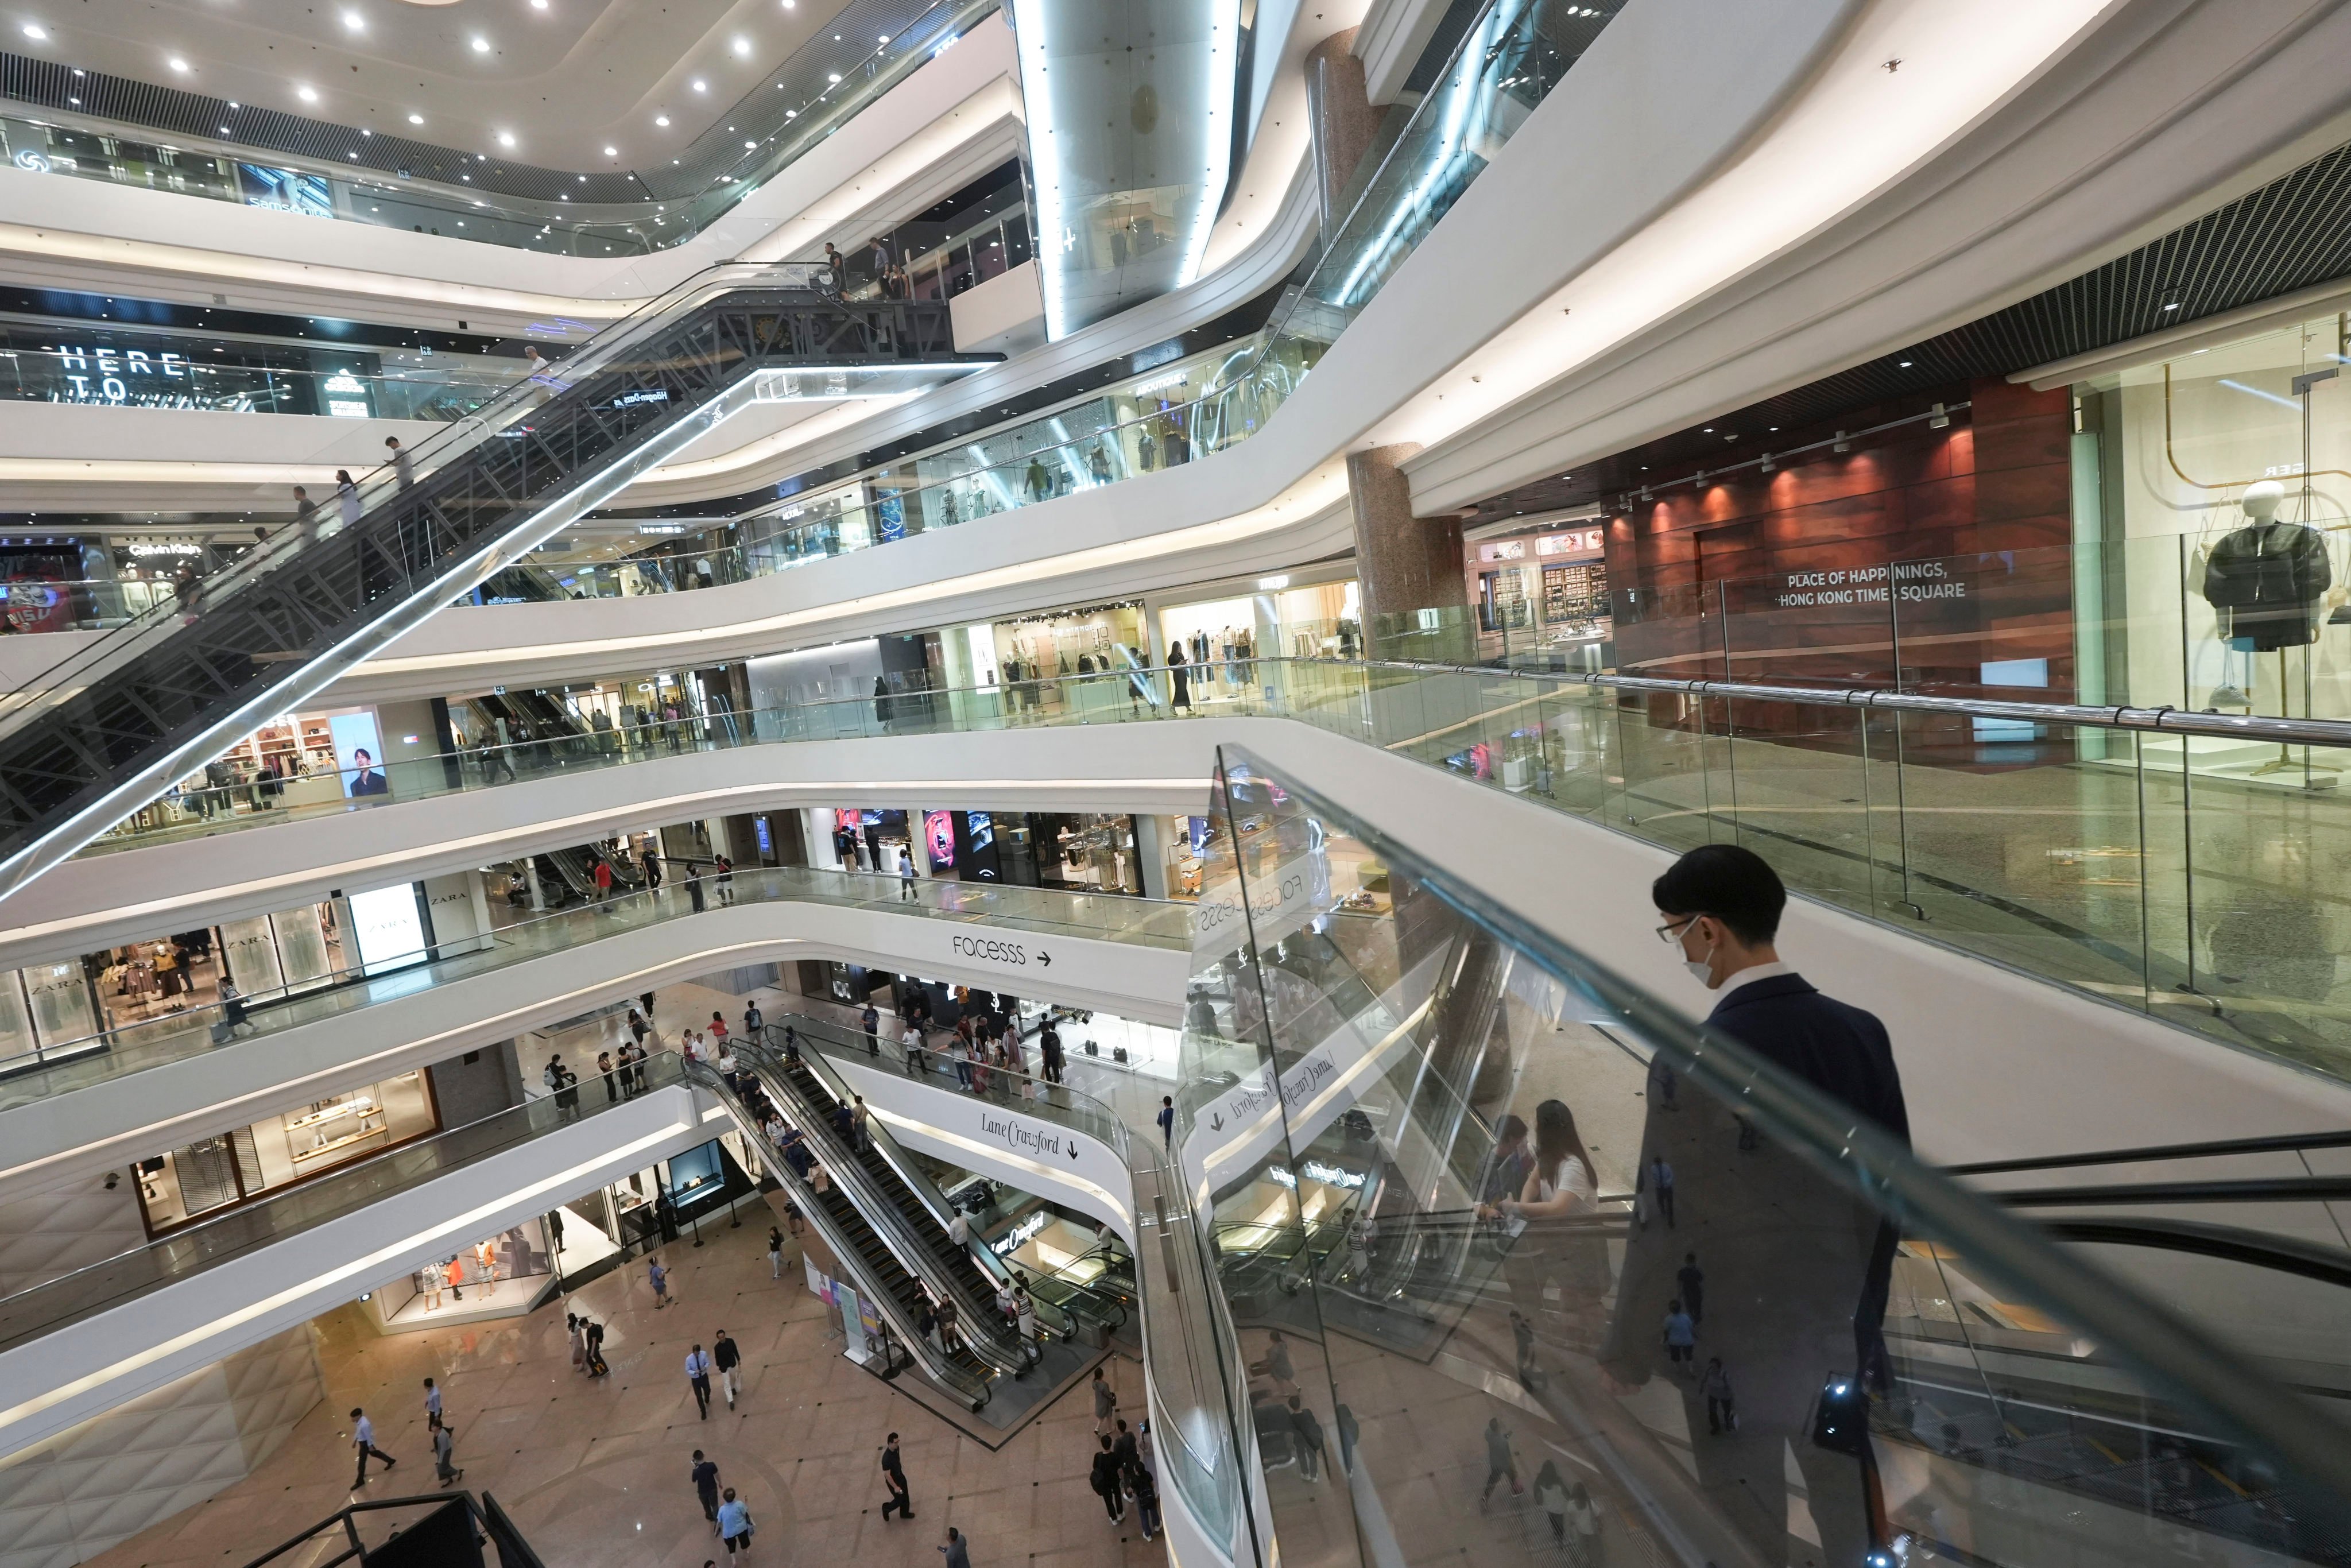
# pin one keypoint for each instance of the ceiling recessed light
(481, 44)
(788, 5)
(538, 4)
(506, 139)
(225, 132)
(611, 153)
(742, 46)
(583, 179)
(885, 37)
(748, 146)
(37, 33)
(354, 21)
(834, 76)
(701, 86)
(177, 64)
(661, 120)
(415, 119)
(307, 94)
(1904, 365)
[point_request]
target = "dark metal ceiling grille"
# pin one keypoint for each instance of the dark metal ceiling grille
(2293, 234)
(140, 107)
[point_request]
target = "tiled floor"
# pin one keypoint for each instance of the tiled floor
(596, 1473)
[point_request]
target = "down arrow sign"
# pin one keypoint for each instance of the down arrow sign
(1216, 1123)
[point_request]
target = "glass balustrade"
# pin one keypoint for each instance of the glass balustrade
(207, 1243)
(395, 183)
(64, 1065)
(1406, 1110)
(1514, 56)
(116, 375)
(2077, 850)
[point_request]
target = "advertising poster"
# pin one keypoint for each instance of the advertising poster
(359, 753)
(938, 836)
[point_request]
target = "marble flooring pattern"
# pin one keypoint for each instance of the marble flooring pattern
(595, 1472)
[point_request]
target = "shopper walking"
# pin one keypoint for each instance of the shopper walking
(697, 1374)
(363, 1443)
(775, 1253)
(704, 1475)
(1584, 1524)
(958, 1556)
(1310, 1439)
(906, 877)
(1691, 1279)
(727, 1358)
(1104, 1480)
(403, 470)
(445, 1448)
(658, 1277)
(1106, 1404)
(578, 1341)
(1499, 1461)
(1722, 1408)
(1550, 1495)
(872, 1019)
(432, 1404)
(893, 1479)
(1167, 1120)
(733, 1525)
(347, 496)
(1145, 1488)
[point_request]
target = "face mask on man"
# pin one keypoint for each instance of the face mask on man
(1701, 970)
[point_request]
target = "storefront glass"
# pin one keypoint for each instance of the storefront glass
(188, 1183)
(1316, 620)
(497, 1276)
(1542, 596)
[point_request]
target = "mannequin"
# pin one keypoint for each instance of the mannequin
(2266, 582)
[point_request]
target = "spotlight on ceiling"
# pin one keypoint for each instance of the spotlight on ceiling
(611, 153)
(177, 64)
(481, 44)
(701, 86)
(506, 139)
(661, 120)
(415, 119)
(36, 32)
(742, 46)
(307, 94)
(354, 21)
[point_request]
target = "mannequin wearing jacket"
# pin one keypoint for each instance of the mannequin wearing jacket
(2266, 578)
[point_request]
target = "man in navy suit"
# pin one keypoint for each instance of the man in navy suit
(1797, 1263)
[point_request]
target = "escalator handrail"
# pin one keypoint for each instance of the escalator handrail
(379, 481)
(2217, 1148)
(918, 1186)
(2251, 1189)
(982, 1326)
(2230, 1243)
(1883, 1171)
(1076, 1108)
(845, 1254)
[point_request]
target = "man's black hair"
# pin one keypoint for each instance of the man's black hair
(1735, 885)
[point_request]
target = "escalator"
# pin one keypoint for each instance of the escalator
(1068, 1306)
(879, 1182)
(109, 727)
(876, 1265)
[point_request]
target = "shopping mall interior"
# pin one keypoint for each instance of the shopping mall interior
(1579, 819)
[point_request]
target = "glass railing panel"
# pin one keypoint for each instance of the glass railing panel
(791, 110)
(1913, 1375)
(159, 371)
(1799, 779)
(66, 1065)
(206, 1243)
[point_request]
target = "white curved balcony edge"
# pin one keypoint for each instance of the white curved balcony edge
(108, 1357)
(98, 900)
(111, 1121)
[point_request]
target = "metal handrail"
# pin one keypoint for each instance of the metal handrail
(2164, 717)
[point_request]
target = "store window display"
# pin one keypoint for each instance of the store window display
(2212, 499)
(195, 1181)
(498, 1276)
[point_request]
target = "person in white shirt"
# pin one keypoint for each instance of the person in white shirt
(363, 1440)
(1548, 1246)
(697, 1373)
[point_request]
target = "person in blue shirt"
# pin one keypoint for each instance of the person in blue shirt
(659, 1278)
(734, 1526)
(1681, 1338)
(1167, 1120)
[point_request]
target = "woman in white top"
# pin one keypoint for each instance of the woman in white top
(1551, 1220)
(347, 496)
